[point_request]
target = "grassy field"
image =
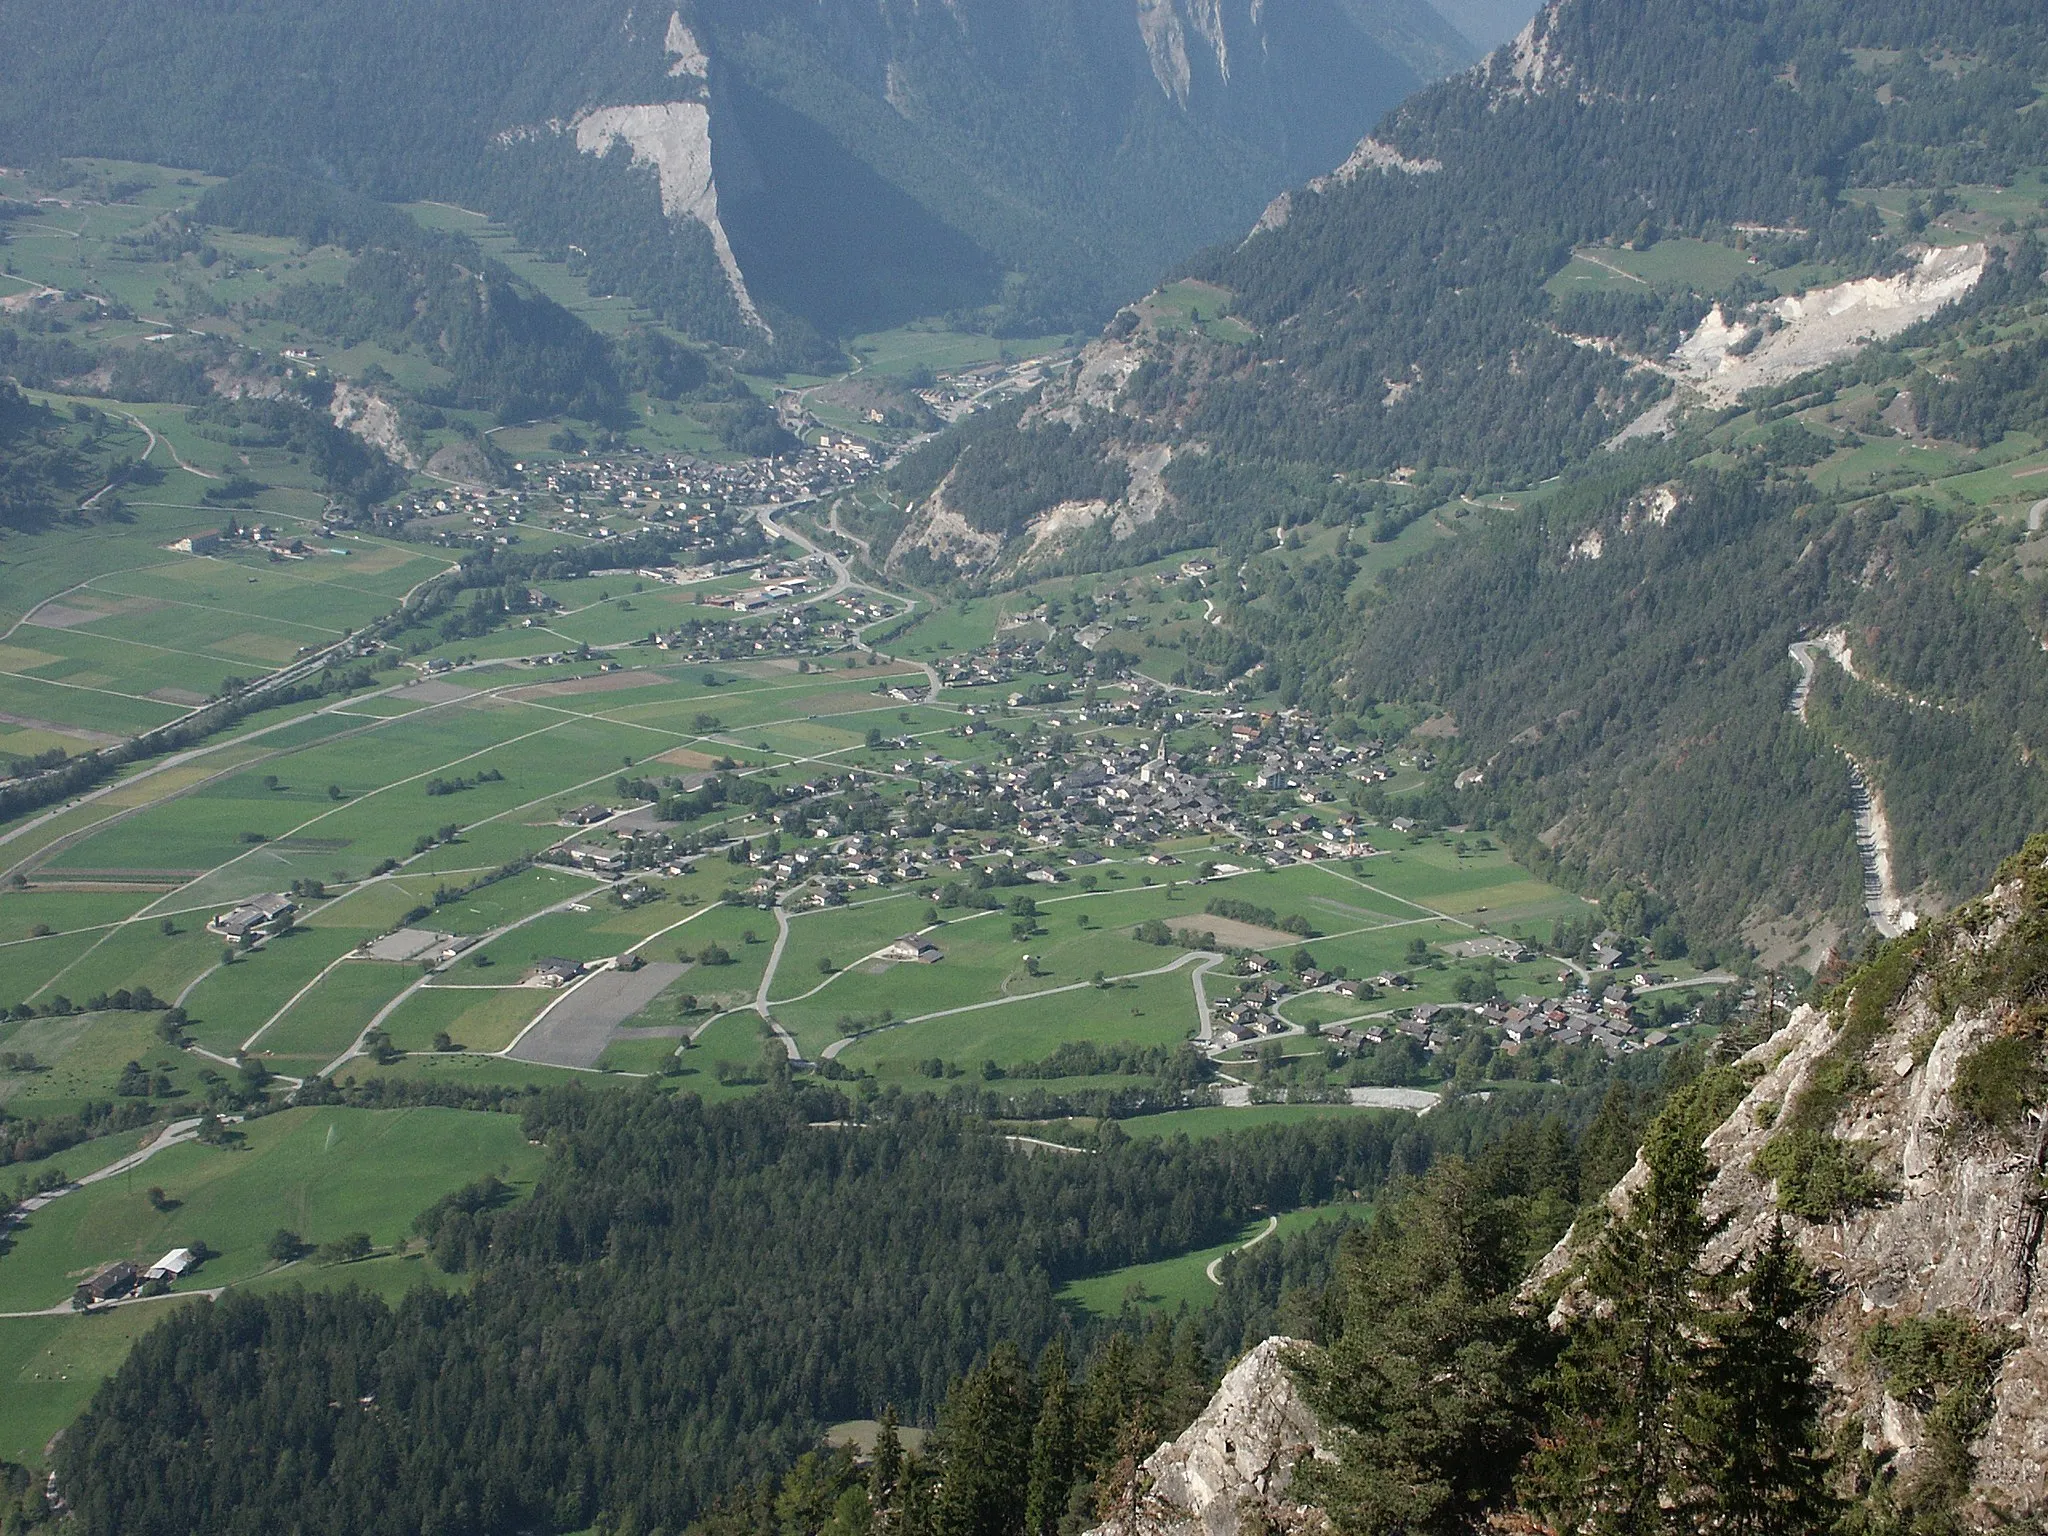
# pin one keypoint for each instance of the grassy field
(1671, 264)
(50, 1367)
(1198, 1124)
(322, 1173)
(1169, 1284)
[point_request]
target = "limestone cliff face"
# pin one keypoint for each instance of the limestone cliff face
(1229, 1471)
(1958, 1231)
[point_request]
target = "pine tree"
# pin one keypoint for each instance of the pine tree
(1616, 1460)
(986, 1424)
(1052, 1446)
(1426, 1397)
(1761, 1461)
(885, 1474)
(1106, 1402)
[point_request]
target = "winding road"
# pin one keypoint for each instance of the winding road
(1887, 909)
(1214, 1271)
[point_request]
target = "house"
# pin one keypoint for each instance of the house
(198, 544)
(114, 1280)
(554, 971)
(915, 948)
(586, 815)
(254, 914)
(174, 1265)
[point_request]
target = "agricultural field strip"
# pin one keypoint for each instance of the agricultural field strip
(176, 759)
(157, 910)
(57, 682)
(225, 657)
(149, 912)
(288, 573)
(377, 1020)
(366, 883)
(1390, 896)
(1210, 957)
(240, 613)
(564, 995)
(1196, 957)
(952, 923)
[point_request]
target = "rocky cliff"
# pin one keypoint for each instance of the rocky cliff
(1898, 1131)
(1228, 1472)
(1900, 1135)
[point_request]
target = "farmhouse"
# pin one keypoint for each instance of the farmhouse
(914, 947)
(114, 1280)
(553, 971)
(246, 919)
(174, 1265)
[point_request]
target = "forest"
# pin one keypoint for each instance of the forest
(41, 474)
(512, 350)
(1667, 1394)
(693, 1291)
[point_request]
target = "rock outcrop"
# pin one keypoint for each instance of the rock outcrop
(1956, 1228)
(1230, 1470)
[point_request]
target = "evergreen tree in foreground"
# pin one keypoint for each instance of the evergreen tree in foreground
(1426, 1397)
(1676, 1409)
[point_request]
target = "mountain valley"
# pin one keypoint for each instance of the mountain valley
(1014, 768)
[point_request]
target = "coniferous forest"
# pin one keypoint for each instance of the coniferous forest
(692, 1292)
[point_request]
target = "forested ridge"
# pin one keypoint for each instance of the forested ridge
(875, 163)
(1402, 320)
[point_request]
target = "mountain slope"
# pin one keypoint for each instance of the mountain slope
(1398, 315)
(1604, 237)
(843, 165)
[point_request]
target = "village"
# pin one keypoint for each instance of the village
(616, 495)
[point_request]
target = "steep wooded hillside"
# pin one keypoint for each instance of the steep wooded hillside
(1396, 317)
(840, 166)
(1703, 288)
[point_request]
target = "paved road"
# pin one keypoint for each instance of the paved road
(796, 1053)
(843, 579)
(1205, 1028)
